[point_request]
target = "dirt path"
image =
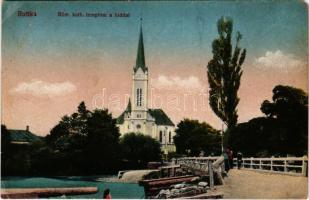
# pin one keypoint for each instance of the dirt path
(258, 185)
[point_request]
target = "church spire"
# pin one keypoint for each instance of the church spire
(140, 59)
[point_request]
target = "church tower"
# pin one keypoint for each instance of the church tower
(140, 82)
(137, 117)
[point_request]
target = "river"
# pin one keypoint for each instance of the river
(118, 190)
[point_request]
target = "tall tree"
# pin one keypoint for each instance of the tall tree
(102, 142)
(224, 73)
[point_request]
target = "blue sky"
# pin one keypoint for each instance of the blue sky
(187, 27)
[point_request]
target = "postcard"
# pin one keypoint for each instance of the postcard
(154, 99)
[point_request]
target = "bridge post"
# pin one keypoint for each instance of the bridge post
(260, 164)
(304, 166)
(211, 175)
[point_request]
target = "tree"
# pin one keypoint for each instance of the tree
(283, 131)
(192, 137)
(290, 109)
(224, 73)
(259, 137)
(102, 148)
(288, 103)
(85, 142)
(140, 149)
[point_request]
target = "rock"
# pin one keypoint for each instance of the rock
(175, 191)
(178, 186)
(163, 194)
(203, 184)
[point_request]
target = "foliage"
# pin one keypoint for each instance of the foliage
(283, 131)
(83, 143)
(87, 142)
(288, 103)
(224, 73)
(192, 137)
(140, 149)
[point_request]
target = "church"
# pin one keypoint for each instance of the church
(137, 117)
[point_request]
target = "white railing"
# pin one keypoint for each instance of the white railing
(284, 165)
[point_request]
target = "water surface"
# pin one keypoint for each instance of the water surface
(118, 190)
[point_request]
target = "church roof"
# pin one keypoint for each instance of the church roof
(140, 58)
(160, 117)
(158, 114)
(23, 136)
(120, 119)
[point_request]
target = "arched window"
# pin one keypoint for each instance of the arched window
(170, 137)
(160, 136)
(138, 126)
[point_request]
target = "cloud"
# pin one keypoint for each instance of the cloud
(278, 60)
(41, 88)
(176, 82)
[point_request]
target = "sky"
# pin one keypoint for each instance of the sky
(52, 63)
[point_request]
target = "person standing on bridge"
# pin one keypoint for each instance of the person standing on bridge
(230, 157)
(226, 161)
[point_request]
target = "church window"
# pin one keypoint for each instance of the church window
(138, 126)
(160, 136)
(139, 97)
(170, 137)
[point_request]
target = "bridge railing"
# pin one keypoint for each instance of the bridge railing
(203, 165)
(200, 163)
(284, 165)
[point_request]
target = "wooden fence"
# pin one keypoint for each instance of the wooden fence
(284, 165)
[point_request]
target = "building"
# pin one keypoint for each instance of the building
(22, 136)
(138, 117)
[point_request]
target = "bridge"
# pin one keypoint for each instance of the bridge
(285, 177)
